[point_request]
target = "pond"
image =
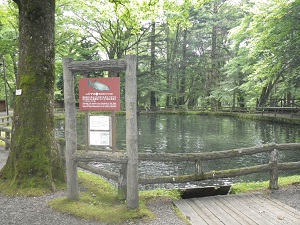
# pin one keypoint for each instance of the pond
(197, 133)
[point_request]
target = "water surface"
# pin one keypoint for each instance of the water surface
(197, 133)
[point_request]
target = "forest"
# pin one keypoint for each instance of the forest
(209, 53)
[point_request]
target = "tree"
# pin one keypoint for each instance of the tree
(270, 34)
(8, 50)
(34, 159)
(152, 66)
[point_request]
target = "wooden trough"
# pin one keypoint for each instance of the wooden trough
(198, 192)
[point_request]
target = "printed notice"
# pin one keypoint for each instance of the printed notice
(100, 138)
(99, 122)
(100, 130)
(99, 94)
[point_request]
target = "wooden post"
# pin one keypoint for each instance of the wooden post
(70, 131)
(87, 129)
(114, 131)
(131, 132)
(198, 168)
(273, 184)
(122, 182)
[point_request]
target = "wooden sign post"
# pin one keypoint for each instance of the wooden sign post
(70, 131)
(96, 100)
(131, 132)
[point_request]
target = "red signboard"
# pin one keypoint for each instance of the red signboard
(99, 94)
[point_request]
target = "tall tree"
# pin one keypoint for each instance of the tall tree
(34, 159)
(152, 66)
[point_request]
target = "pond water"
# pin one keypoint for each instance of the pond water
(195, 133)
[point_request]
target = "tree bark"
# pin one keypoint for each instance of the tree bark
(152, 69)
(182, 86)
(34, 159)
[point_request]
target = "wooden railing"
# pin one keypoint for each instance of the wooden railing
(5, 130)
(273, 166)
(279, 110)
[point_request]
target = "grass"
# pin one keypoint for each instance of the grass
(99, 202)
(98, 199)
(9, 188)
(264, 185)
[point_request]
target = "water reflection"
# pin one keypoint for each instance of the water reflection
(194, 133)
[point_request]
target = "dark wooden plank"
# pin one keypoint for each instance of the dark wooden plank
(204, 212)
(240, 209)
(247, 210)
(96, 66)
(287, 209)
(189, 212)
(252, 202)
(283, 214)
(235, 211)
(218, 210)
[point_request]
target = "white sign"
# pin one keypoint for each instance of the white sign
(101, 138)
(100, 130)
(19, 92)
(99, 122)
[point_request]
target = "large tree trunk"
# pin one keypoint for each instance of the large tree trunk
(34, 160)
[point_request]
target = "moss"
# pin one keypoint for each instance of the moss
(34, 153)
(10, 188)
(99, 202)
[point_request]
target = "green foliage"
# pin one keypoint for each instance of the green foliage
(269, 35)
(8, 49)
(259, 186)
(233, 54)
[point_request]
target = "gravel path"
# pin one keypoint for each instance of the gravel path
(35, 211)
(288, 195)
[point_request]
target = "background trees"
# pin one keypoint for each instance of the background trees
(212, 53)
(8, 50)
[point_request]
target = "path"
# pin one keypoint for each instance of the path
(3, 156)
(237, 209)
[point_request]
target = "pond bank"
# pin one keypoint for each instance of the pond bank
(267, 116)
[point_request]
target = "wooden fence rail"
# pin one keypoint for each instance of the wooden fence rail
(197, 158)
(5, 127)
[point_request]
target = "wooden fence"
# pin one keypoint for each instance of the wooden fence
(5, 130)
(273, 166)
(83, 157)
